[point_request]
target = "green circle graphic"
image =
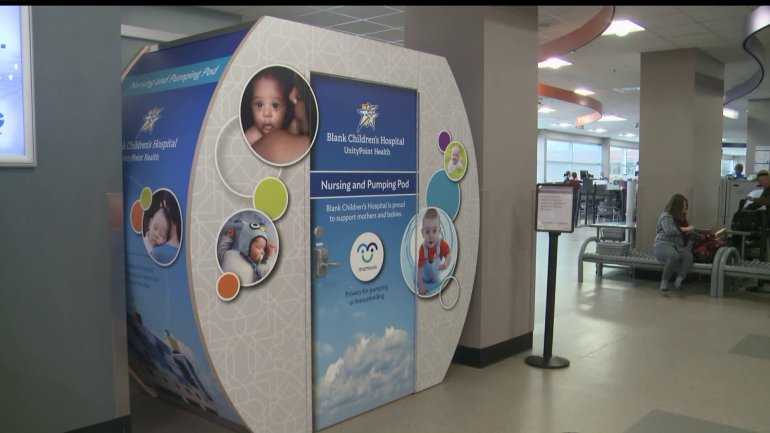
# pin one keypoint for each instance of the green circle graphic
(145, 198)
(271, 197)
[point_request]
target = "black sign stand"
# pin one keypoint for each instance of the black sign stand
(548, 360)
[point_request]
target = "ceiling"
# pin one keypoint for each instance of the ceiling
(610, 65)
(612, 62)
(382, 23)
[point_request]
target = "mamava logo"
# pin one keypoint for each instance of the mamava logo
(150, 118)
(367, 251)
(366, 256)
(368, 114)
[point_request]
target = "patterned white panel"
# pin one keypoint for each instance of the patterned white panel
(260, 344)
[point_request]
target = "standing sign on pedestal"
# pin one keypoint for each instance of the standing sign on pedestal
(555, 215)
(363, 192)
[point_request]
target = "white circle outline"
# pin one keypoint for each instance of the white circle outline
(444, 160)
(277, 241)
(181, 229)
(285, 189)
(438, 143)
(459, 193)
(444, 286)
(317, 123)
(237, 292)
(216, 158)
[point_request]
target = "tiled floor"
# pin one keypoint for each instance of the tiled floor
(687, 362)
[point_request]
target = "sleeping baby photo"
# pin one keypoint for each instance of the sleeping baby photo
(162, 227)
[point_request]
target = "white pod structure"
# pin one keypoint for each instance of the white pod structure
(302, 223)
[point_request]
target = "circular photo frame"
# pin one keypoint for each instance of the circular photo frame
(429, 250)
(247, 246)
(279, 115)
(455, 161)
(162, 227)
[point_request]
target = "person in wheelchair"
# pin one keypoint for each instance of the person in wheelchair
(755, 203)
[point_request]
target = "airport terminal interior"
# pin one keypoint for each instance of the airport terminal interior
(353, 219)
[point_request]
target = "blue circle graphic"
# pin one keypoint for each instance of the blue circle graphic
(444, 194)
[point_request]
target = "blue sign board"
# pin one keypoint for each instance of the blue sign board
(363, 185)
(165, 99)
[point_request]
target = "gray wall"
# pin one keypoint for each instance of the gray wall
(59, 369)
(184, 20)
(680, 136)
(492, 53)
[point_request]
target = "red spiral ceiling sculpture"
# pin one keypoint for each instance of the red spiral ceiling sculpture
(568, 43)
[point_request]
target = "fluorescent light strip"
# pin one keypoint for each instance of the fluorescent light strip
(612, 118)
(545, 110)
(622, 28)
(553, 63)
(583, 91)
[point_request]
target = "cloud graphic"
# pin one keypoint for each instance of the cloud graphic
(323, 349)
(373, 371)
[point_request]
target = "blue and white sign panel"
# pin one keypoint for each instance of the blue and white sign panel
(363, 185)
(16, 127)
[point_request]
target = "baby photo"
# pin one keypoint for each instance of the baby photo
(279, 115)
(455, 161)
(162, 227)
(434, 252)
(248, 246)
(428, 252)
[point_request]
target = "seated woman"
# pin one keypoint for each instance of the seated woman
(673, 245)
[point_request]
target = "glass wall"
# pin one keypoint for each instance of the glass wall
(623, 162)
(563, 155)
(731, 156)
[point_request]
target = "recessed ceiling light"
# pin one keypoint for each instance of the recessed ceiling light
(611, 118)
(598, 130)
(622, 28)
(545, 110)
(553, 63)
(625, 90)
(583, 91)
(730, 113)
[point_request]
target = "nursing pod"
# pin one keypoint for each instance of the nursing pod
(299, 163)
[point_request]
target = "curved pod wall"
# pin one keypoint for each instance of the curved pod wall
(244, 335)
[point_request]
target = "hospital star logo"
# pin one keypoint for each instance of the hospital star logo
(150, 119)
(368, 114)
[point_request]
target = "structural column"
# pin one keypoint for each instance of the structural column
(758, 135)
(492, 52)
(680, 136)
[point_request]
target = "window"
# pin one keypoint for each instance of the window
(623, 162)
(561, 156)
(731, 156)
